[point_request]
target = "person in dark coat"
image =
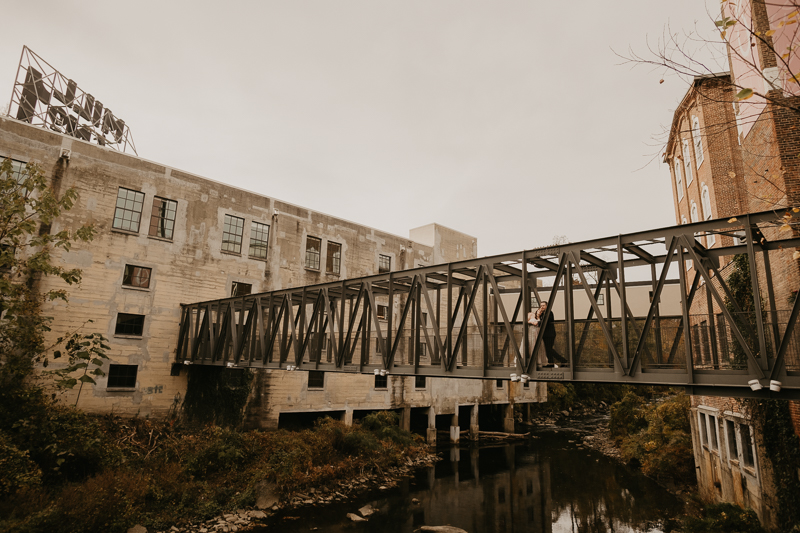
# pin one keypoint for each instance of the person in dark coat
(549, 336)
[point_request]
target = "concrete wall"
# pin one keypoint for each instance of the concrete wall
(191, 267)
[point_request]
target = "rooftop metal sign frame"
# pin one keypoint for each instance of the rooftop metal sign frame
(44, 97)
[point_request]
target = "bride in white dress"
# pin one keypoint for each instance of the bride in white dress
(533, 332)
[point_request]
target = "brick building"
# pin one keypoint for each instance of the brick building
(728, 158)
(166, 237)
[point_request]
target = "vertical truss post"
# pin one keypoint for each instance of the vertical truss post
(570, 315)
(485, 358)
(610, 312)
(418, 321)
(526, 308)
(687, 330)
(623, 302)
(711, 331)
(771, 295)
(389, 315)
(751, 256)
(449, 347)
(657, 316)
(439, 350)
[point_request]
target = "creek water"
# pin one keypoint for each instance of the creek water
(550, 484)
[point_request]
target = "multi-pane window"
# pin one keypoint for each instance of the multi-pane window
(419, 382)
(733, 447)
(128, 213)
(698, 141)
(498, 383)
(313, 247)
(705, 201)
(232, 231)
(383, 311)
(712, 432)
(122, 376)
(136, 276)
(316, 379)
(18, 171)
(748, 454)
(162, 219)
(259, 237)
(241, 289)
(381, 382)
(129, 324)
(678, 180)
(687, 162)
(384, 263)
(601, 299)
(333, 262)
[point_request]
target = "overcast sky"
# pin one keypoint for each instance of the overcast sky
(510, 121)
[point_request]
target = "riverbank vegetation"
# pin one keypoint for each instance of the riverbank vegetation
(62, 470)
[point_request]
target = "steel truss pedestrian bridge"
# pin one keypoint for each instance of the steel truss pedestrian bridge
(465, 319)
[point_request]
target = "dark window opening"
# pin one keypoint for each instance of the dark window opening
(122, 376)
(313, 247)
(733, 448)
(162, 219)
(499, 383)
(381, 382)
(136, 276)
(419, 382)
(128, 212)
(383, 311)
(333, 262)
(526, 385)
(128, 324)
(384, 263)
(232, 232)
(259, 237)
(316, 379)
(747, 446)
(241, 289)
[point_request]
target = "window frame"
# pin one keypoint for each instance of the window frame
(156, 216)
(705, 204)
(697, 141)
(129, 277)
(687, 163)
(384, 263)
(112, 382)
(235, 286)
(381, 382)
(316, 380)
(313, 257)
(138, 199)
(382, 311)
(117, 325)
(258, 238)
(228, 223)
(420, 385)
(678, 179)
(333, 258)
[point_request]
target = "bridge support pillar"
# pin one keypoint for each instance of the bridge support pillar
(508, 419)
(455, 430)
(474, 427)
(405, 419)
(347, 417)
(431, 434)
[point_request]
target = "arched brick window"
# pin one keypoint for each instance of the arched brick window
(687, 162)
(705, 199)
(678, 178)
(698, 141)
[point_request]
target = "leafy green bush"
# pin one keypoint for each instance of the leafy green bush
(724, 518)
(17, 470)
(220, 449)
(627, 416)
(384, 424)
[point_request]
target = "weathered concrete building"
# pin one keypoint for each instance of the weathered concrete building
(166, 237)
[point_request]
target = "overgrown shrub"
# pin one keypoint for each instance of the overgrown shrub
(627, 417)
(724, 518)
(17, 470)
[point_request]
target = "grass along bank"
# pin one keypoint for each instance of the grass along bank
(64, 471)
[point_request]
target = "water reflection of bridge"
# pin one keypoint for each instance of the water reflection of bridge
(451, 320)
